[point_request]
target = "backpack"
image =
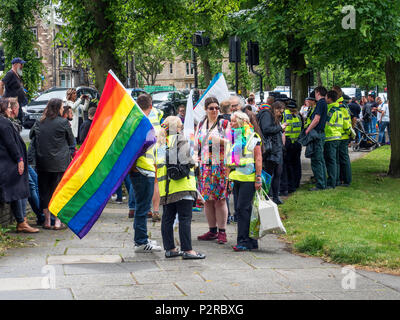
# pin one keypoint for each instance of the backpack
(176, 171)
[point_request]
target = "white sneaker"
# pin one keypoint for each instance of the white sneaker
(148, 247)
(114, 197)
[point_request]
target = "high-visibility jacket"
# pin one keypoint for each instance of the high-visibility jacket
(293, 129)
(334, 123)
(243, 171)
(155, 117)
(308, 120)
(346, 119)
(147, 161)
(174, 186)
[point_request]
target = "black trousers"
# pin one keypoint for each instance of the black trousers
(184, 210)
(291, 169)
(275, 171)
(243, 201)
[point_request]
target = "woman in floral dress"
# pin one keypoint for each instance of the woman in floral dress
(211, 137)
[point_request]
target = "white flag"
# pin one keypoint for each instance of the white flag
(218, 89)
(188, 125)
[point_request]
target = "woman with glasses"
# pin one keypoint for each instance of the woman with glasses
(210, 139)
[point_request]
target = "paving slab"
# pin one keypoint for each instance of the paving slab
(56, 294)
(126, 292)
(390, 281)
(157, 277)
(384, 294)
(274, 296)
(94, 280)
(83, 259)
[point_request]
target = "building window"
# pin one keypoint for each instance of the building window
(65, 80)
(65, 58)
(35, 32)
(189, 68)
(170, 68)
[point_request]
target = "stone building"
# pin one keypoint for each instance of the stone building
(60, 69)
(180, 74)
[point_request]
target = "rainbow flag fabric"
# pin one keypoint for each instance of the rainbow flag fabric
(119, 134)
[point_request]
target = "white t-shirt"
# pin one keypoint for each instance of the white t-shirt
(385, 109)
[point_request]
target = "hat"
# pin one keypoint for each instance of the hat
(282, 97)
(311, 99)
(17, 60)
(292, 105)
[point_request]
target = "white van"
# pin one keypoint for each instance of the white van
(352, 92)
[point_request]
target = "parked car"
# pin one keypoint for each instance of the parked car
(34, 109)
(168, 101)
(135, 92)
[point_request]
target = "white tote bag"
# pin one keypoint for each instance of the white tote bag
(270, 221)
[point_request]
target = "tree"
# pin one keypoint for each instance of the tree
(91, 32)
(374, 42)
(16, 20)
(150, 57)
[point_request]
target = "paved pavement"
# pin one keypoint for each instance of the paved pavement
(57, 265)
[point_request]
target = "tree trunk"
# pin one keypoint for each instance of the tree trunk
(299, 75)
(319, 79)
(267, 65)
(206, 71)
(103, 51)
(392, 70)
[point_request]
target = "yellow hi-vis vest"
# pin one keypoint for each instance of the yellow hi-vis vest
(155, 117)
(293, 129)
(147, 161)
(175, 186)
(245, 171)
(346, 119)
(334, 123)
(308, 121)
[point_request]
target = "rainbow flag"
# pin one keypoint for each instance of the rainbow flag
(119, 134)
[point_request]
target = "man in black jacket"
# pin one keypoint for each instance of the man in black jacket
(84, 130)
(11, 85)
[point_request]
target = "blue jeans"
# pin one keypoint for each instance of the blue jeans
(382, 127)
(34, 199)
(143, 188)
(17, 208)
(367, 126)
(129, 187)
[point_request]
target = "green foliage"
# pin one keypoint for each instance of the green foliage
(311, 244)
(16, 19)
(149, 57)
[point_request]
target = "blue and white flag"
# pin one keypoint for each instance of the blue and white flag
(218, 89)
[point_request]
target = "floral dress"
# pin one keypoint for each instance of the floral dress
(213, 172)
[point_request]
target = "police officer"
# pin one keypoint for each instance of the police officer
(155, 118)
(333, 135)
(344, 165)
(317, 121)
(291, 173)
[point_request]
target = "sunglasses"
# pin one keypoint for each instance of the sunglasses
(213, 108)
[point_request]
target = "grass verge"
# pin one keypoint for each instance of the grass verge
(358, 225)
(8, 241)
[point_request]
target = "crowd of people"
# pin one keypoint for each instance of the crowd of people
(234, 143)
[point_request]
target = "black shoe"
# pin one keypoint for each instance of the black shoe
(315, 189)
(198, 255)
(344, 185)
(173, 254)
(277, 200)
